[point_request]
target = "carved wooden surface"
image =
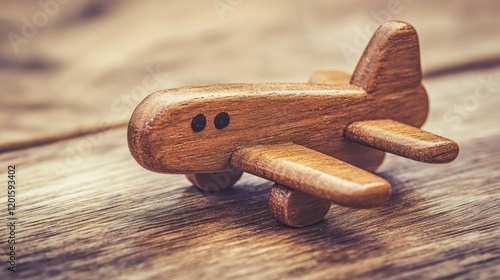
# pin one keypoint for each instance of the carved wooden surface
(404, 140)
(87, 210)
(101, 214)
(97, 73)
(315, 173)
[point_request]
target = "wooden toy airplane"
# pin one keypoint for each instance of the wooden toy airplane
(318, 141)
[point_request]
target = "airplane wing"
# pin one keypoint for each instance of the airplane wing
(312, 172)
(403, 140)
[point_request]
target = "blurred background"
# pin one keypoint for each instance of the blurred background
(68, 67)
(72, 70)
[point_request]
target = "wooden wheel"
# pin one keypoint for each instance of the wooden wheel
(296, 208)
(216, 181)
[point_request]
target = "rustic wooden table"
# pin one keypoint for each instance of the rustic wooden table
(86, 210)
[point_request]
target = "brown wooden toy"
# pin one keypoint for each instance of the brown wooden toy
(318, 141)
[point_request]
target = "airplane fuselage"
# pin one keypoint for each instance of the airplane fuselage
(163, 139)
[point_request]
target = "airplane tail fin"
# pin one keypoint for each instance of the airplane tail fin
(391, 61)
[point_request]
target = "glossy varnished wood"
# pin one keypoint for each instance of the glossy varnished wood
(207, 130)
(403, 140)
(315, 173)
(313, 115)
(110, 218)
(295, 208)
(106, 217)
(391, 60)
(97, 214)
(46, 82)
(215, 182)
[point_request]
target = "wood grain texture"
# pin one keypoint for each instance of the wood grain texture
(215, 182)
(315, 173)
(202, 129)
(403, 140)
(88, 211)
(162, 137)
(391, 60)
(106, 217)
(312, 115)
(96, 77)
(295, 208)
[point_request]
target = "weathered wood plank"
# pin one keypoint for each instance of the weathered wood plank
(87, 210)
(92, 62)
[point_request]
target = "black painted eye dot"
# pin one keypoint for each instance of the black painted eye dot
(221, 121)
(198, 123)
